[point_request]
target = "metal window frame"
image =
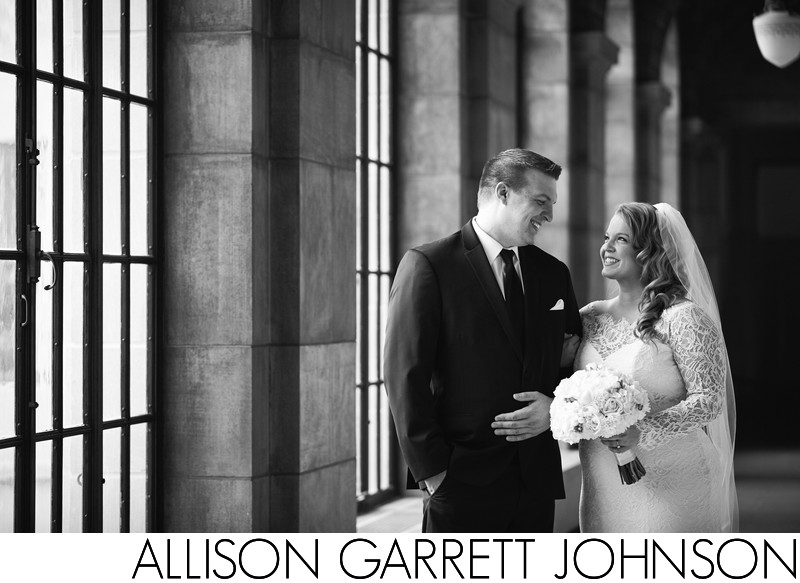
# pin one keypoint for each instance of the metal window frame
(365, 500)
(92, 259)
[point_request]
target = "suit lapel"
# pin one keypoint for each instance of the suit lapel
(483, 272)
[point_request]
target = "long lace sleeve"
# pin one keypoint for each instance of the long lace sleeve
(699, 353)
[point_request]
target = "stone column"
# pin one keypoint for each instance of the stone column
(651, 101)
(492, 85)
(620, 99)
(671, 120)
(214, 467)
(433, 193)
(312, 222)
(593, 54)
(545, 108)
(258, 223)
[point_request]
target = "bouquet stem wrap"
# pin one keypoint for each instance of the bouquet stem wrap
(630, 468)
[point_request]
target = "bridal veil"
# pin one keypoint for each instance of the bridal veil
(688, 263)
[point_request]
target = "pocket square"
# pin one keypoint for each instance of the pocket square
(559, 305)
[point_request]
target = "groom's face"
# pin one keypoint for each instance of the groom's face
(528, 207)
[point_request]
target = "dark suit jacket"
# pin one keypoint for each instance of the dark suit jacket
(452, 363)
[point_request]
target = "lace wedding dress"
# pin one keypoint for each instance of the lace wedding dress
(684, 376)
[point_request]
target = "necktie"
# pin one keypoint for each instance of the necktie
(515, 299)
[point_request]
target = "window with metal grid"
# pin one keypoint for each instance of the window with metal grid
(77, 265)
(376, 464)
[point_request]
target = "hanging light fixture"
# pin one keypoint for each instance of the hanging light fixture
(778, 31)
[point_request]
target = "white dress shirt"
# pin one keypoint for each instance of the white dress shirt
(492, 249)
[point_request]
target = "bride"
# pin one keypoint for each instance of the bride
(663, 329)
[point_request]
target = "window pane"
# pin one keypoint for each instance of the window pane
(8, 163)
(386, 283)
(358, 102)
(385, 16)
(139, 199)
(359, 186)
(111, 485)
(373, 218)
(44, 485)
(372, 106)
(44, 171)
(374, 446)
(72, 501)
(373, 328)
(7, 490)
(112, 183)
(139, 463)
(44, 354)
(8, 317)
(139, 45)
(373, 24)
(385, 470)
(112, 340)
(73, 38)
(139, 341)
(112, 61)
(358, 439)
(358, 22)
(359, 376)
(385, 218)
(8, 40)
(73, 170)
(44, 35)
(386, 111)
(72, 343)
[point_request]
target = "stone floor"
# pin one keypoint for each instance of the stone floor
(768, 485)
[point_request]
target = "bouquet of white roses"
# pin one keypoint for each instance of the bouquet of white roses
(598, 402)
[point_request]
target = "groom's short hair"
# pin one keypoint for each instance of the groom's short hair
(511, 166)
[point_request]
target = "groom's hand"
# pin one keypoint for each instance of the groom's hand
(530, 421)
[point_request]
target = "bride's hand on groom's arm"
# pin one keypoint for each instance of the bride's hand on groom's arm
(527, 422)
(623, 441)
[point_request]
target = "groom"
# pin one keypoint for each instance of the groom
(476, 326)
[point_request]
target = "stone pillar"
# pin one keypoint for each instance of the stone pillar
(620, 99)
(545, 108)
(214, 467)
(592, 56)
(312, 221)
(258, 223)
(492, 85)
(651, 101)
(433, 192)
(671, 120)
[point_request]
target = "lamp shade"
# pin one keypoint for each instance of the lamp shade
(778, 37)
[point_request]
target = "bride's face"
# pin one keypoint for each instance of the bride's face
(618, 254)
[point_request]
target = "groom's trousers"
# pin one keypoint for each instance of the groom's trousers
(504, 505)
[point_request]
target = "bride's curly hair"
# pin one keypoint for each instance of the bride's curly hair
(662, 286)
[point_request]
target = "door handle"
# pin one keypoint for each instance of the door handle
(25, 302)
(52, 284)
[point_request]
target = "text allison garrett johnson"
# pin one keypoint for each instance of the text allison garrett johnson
(418, 558)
